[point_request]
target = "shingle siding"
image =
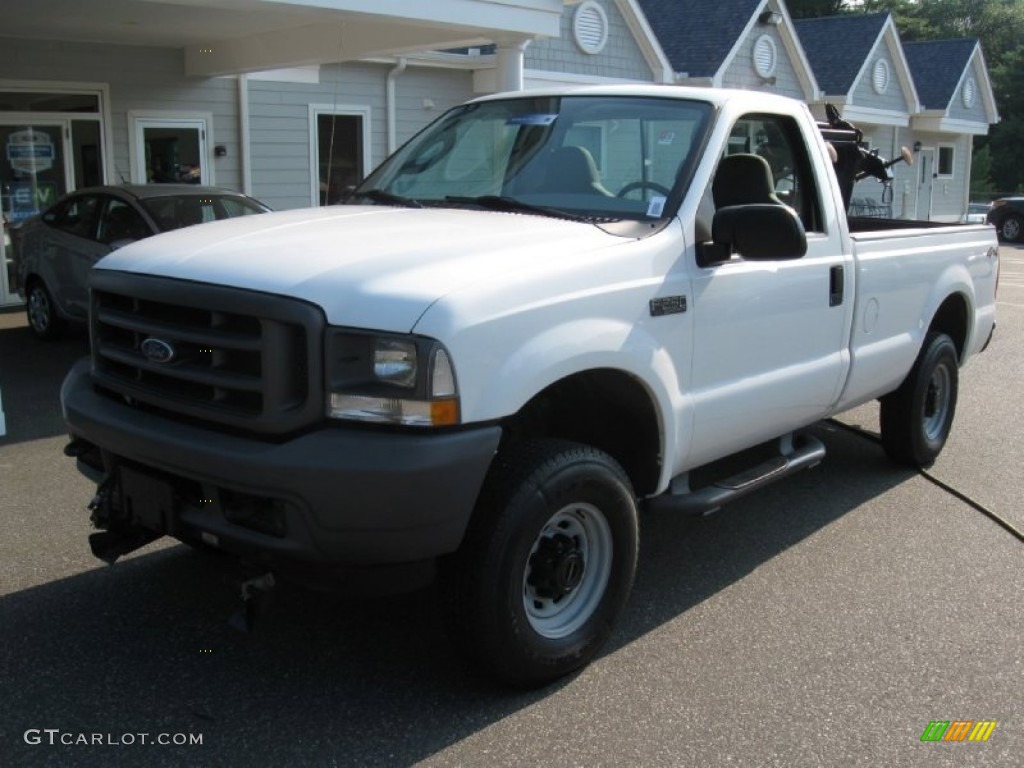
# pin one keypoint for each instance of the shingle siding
(443, 88)
(894, 98)
(741, 73)
(976, 112)
(279, 127)
(621, 56)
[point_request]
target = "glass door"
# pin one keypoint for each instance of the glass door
(34, 174)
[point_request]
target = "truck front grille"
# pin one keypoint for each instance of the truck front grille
(239, 358)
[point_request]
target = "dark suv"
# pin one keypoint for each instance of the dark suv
(1007, 214)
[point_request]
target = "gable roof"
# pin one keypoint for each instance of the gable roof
(698, 35)
(937, 66)
(838, 46)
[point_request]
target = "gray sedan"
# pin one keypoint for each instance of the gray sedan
(54, 251)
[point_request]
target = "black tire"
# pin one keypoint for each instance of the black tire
(917, 417)
(547, 563)
(43, 319)
(1010, 229)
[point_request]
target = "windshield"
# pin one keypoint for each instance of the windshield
(600, 157)
(175, 212)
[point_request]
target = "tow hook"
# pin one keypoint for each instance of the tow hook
(254, 602)
(101, 513)
(118, 539)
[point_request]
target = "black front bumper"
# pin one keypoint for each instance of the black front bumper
(347, 496)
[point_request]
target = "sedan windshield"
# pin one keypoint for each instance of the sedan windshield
(590, 157)
(177, 211)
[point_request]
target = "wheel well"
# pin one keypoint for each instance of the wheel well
(951, 319)
(607, 409)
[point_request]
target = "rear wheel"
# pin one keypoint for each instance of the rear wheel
(917, 417)
(42, 314)
(547, 564)
(1010, 229)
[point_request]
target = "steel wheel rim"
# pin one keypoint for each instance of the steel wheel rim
(1011, 228)
(38, 310)
(937, 401)
(558, 616)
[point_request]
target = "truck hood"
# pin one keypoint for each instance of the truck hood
(366, 266)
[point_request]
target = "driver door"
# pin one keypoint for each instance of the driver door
(770, 337)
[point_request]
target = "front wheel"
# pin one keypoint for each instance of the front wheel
(547, 564)
(917, 417)
(42, 314)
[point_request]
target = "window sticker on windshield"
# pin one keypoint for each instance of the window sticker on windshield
(531, 120)
(665, 138)
(656, 206)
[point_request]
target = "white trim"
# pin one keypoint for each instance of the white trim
(347, 110)
(169, 118)
(873, 115)
(929, 122)
(647, 40)
(310, 75)
(244, 134)
(485, 80)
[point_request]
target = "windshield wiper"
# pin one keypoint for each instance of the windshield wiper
(380, 196)
(503, 203)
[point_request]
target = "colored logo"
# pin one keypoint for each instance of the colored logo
(958, 730)
(31, 151)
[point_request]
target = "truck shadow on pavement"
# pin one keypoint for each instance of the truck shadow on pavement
(144, 647)
(31, 372)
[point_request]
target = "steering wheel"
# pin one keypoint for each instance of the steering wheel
(635, 185)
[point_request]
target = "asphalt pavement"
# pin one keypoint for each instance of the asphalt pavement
(825, 621)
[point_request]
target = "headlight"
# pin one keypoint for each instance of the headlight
(390, 379)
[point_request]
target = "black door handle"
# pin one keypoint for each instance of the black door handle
(835, 286)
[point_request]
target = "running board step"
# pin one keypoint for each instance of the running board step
(800, 451)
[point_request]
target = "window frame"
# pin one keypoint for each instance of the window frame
(939, 174)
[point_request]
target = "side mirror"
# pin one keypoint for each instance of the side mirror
(757, 232)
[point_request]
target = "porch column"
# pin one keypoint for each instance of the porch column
(509, 62)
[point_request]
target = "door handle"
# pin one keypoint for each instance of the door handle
(835, 286)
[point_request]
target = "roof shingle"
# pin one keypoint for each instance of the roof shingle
(936, 66)
(838, 46)
(697, 35)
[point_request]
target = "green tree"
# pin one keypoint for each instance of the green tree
(813, 9)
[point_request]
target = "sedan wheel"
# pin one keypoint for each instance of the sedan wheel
(42, 316)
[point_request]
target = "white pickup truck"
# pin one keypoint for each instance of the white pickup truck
(545, 312)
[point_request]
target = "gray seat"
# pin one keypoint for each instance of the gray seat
(743, 179)
(572, 170)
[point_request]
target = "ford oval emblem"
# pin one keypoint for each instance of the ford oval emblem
(157, 350)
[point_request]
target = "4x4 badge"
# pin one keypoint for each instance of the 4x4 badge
(157, 350)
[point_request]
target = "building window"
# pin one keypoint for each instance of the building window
(339, 151)
(946, 156)
(590, 27)
(765, 56)
(880, 77)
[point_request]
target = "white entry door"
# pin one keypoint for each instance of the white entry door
(171, 150)
(925, 179)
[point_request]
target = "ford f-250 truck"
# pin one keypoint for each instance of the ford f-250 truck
(543, 313)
